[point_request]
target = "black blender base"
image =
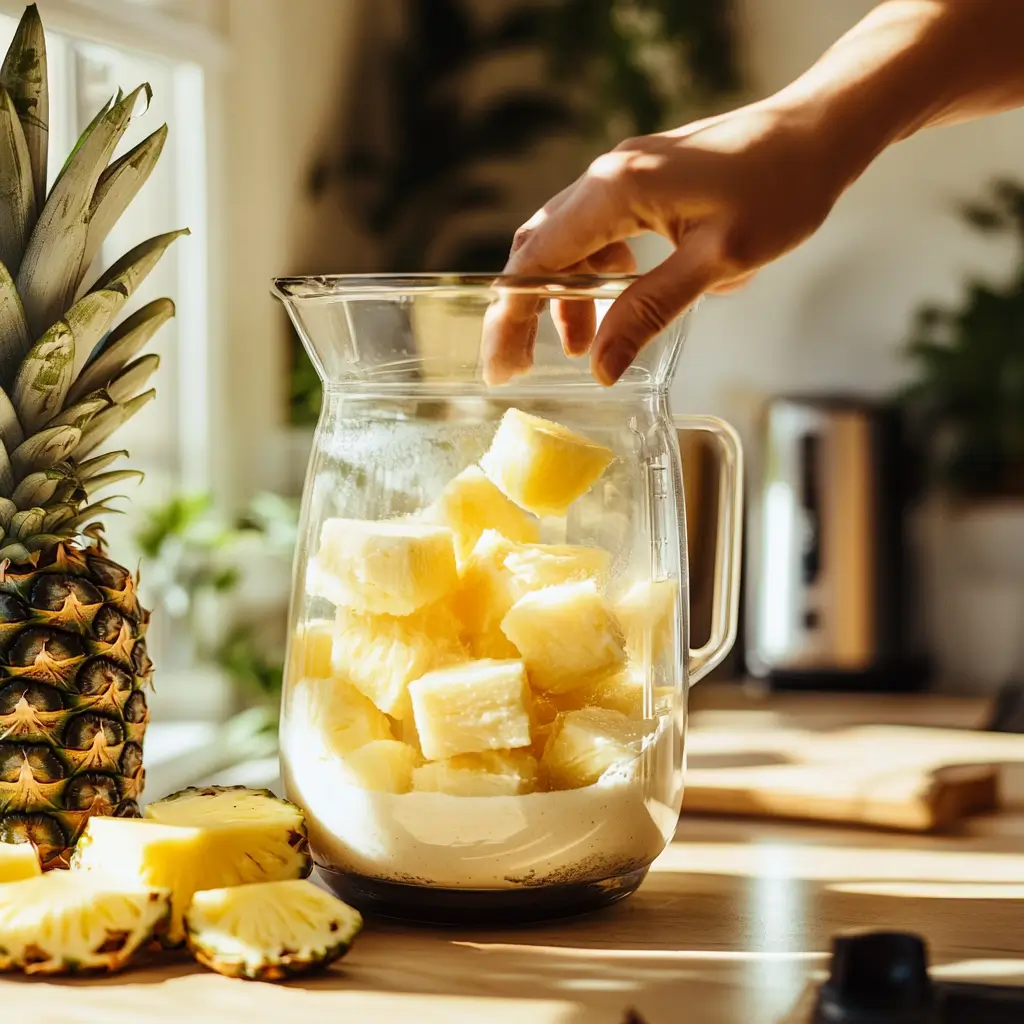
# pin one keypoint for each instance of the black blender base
(424, 904)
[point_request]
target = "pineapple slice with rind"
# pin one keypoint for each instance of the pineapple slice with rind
(566, 634)
(199, 839)
(310, 655)
(381, 654)
(470, 504)
(646, 613)
(65, 922)
(464, 709)
(584, 744)
(541, 465)
(384, 568)
(384, 766)
(488, 773)
(269, 931)
(18, 861)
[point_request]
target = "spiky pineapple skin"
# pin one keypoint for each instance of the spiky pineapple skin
(73, 714)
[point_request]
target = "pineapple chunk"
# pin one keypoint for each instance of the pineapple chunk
(546, 565)
(381, 654)
(65, 922)
(490, 773)
(269, 931)
(567, 635)
(492, 644)
(486, 589)
(335, 715)
(622, 691)
(542, 466)
(383, 765)
(498, 572)
(646, 613)
(482, 705)
(385, 568)
(584, 744)
(311, 649)
(18, 861)
(470, 504)
(198, 839)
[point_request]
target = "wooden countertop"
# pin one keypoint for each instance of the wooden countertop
(729, 928)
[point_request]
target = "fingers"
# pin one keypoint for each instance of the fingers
(651, 303)
(733, 285)
(575, 319)
(581, 221)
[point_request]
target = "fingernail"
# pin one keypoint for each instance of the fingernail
(612, 365)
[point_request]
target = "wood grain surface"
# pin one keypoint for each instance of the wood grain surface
(730, 928)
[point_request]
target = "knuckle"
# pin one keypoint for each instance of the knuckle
(650, 312)
(521, 237)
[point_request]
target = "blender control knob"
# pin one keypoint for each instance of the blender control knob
(877, 978)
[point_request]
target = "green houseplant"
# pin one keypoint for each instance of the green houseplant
(967, 397)
(965, 406)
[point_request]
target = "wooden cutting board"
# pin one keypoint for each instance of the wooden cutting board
(909, 778)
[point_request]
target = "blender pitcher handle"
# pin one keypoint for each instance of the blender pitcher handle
(725, 606)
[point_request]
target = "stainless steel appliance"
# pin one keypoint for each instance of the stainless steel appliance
(829, 565)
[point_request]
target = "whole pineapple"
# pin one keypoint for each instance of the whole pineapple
(73, 662)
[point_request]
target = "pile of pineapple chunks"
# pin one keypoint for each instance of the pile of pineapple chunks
(465, 657)
(221, 870)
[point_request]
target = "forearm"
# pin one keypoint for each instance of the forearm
(908, 65)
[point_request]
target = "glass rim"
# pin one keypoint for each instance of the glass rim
(343, 286)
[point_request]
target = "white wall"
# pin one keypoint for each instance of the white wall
(834, 313)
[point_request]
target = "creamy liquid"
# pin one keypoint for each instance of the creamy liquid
(575, 835)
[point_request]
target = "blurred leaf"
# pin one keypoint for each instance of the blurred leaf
(513, 123)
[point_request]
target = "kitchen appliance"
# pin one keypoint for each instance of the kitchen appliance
(830, 595)
(485, 689)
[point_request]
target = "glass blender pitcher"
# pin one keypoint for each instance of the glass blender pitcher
(484, 712)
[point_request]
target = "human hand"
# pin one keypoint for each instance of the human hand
(731, 193)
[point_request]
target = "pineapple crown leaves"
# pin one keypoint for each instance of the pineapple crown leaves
(69, 375)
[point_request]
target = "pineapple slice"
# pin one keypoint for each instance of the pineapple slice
(385, 568)
(199, 839)
(470, 504)
(566, 634)
(482, 705)
(63, 922)
(311, 649)
(336, 716)
(489, 773)
(381, 654)
(384, 766)
(269, 931)
(542, 466)
(18, 861)
(646, 614)
(584, 744)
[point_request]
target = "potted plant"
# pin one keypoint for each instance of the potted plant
(966, 407)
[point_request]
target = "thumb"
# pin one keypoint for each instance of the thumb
(651, 303)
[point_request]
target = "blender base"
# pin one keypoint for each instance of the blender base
(423, 904)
